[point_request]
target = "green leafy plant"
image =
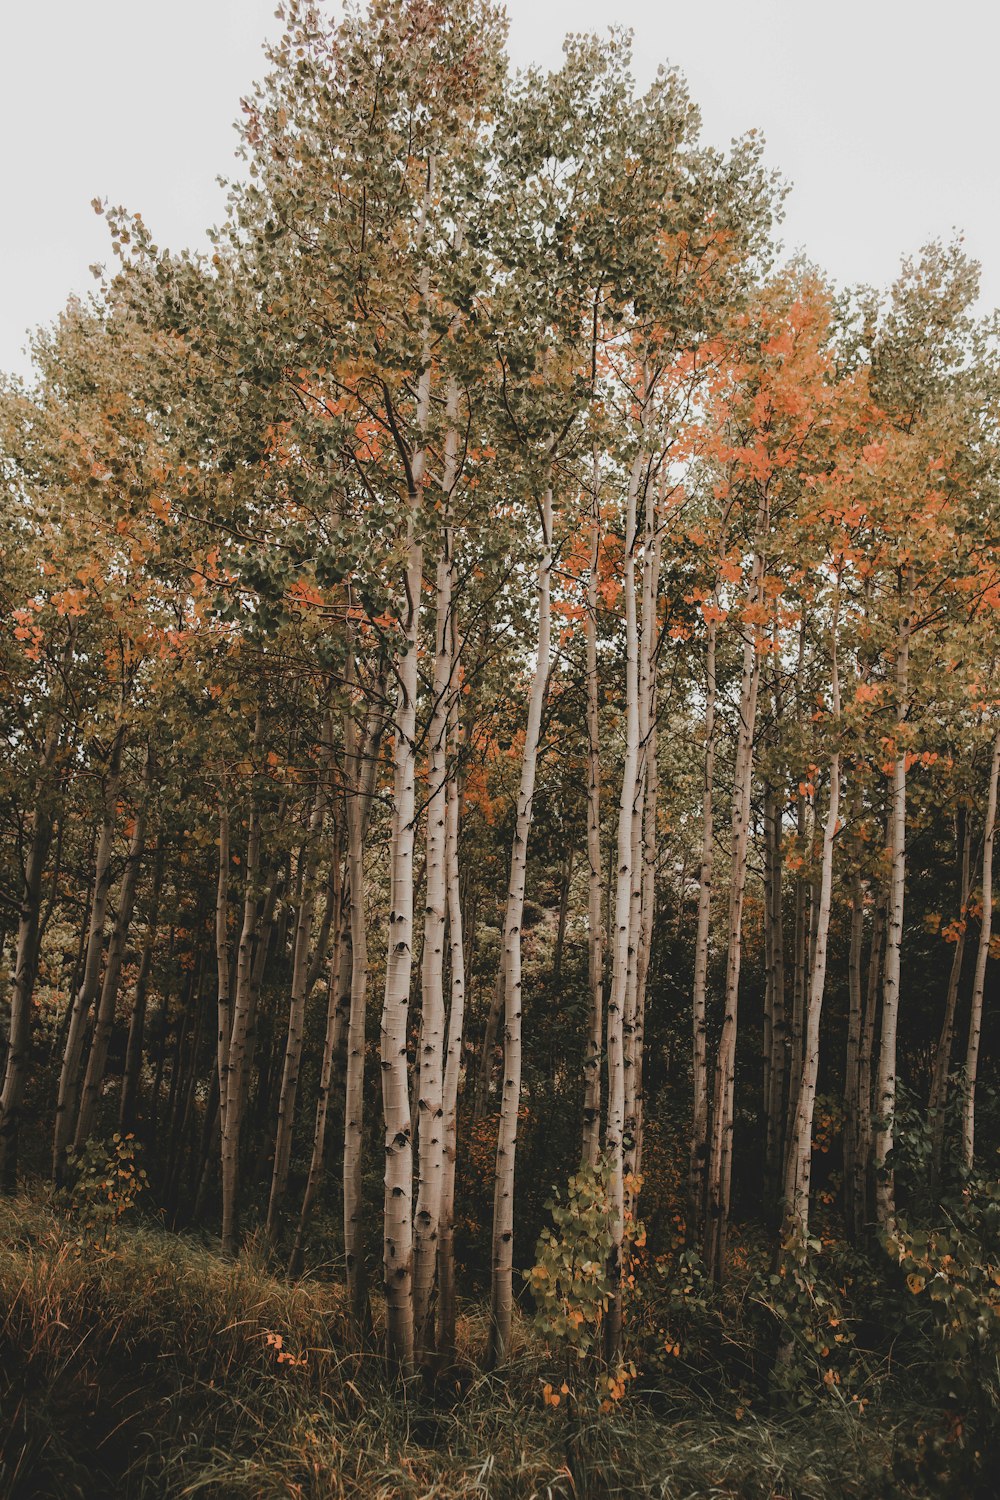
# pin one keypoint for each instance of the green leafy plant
(816, 1353)
(103, 1186)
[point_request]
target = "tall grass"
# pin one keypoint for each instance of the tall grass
(152, 1367)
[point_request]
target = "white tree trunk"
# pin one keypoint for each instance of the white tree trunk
(595, 926)
(502, 1293)
(885, 1093)
(979, 982)
(453, 1067)
(431, 1058)
(623, 930)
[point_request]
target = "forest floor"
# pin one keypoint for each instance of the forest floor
(140, 1363)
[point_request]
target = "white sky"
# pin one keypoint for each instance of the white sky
(885, 114)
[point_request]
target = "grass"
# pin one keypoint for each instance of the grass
(151, 1367)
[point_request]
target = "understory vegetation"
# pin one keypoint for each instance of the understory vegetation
(139, 1362)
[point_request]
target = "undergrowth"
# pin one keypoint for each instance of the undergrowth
(143, 1364)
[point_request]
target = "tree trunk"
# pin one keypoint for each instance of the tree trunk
(776, 1048)
(232, 1078)
(799, 1156)
(622, 934)
(431, 1056)
(644, 852)
(97, 1061)
(502, 1291)
(69, 1077)
(721, 1142)
(699, 1058)
(453, 1067)
(308, 861)
(942, 1056)
(25, 968)
(854, 1031)
(132, 1071)
(979, 981)
(885, 1207)
(331, 1039)
(595, 928)
(398, 1225)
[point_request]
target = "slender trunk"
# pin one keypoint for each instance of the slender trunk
(646, 921)
(618, 999)
(431, 1058)
(942, 1055)
(398, 1225)
(699, 1059)
(885, 1207)
(137, 1021)
(187, 1074)
(69, 1077)
(800, 976)
(979, 981)
(360, 759)
(859, 1189)
(25, 967)
(721, 1143)
(854, 1030)
(502, 1293)
(799, 1155)
(453, 1068)
(331, 1038)
(357, 1281)
(595, 928)
(97, 1061)
(644, 851)
(232, 1081)
(778, 1040)
(308, 861)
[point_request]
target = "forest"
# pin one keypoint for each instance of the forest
(499, 758)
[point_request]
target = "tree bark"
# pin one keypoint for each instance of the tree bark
(885, 1206)
(502, 1289)
(331, 1039)
(799, 1156)
(595, 927)
(721, 1141)
(69, 1077)
(25, 967)
(623, 930)
(453, 1067)
(132, 1071)
(431, 1057)
(942, 1055)
(979, 981)
(699, 1036)
(98, 1058)
(308, 862)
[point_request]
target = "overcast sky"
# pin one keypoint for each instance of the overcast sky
(884, 114)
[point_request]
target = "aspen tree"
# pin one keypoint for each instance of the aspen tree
(98, 1055)
(595, 930)
(308, 862)
(453, 1059)
(623, 930)
(69, 1075)
(432, 1048)
(943, 1050)
(885, 1086)
(982, 955)
(799, 1154)
(502, 1294)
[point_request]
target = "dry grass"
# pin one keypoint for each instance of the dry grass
(153, 1369)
